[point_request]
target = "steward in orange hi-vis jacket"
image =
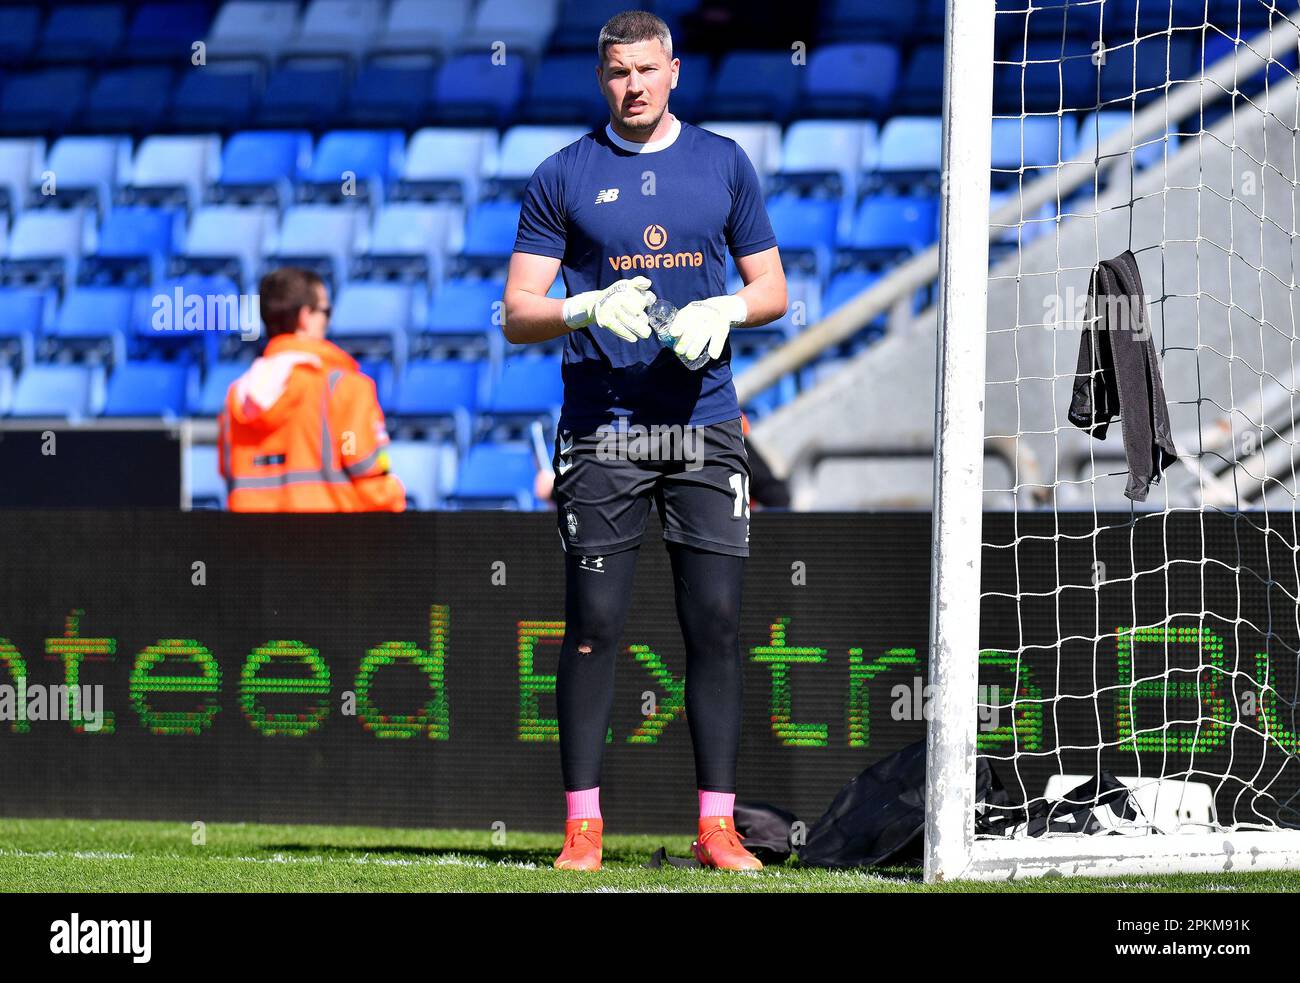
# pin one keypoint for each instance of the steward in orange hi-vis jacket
(302, 430)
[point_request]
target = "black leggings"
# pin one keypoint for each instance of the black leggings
(707, 590)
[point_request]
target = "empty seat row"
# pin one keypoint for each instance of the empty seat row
(435, 476)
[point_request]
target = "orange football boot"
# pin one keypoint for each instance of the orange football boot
(581, 845)
(719, 846)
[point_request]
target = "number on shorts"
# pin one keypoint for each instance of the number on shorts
(740, 485)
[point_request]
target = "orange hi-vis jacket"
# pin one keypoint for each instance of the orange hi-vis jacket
(302, 431)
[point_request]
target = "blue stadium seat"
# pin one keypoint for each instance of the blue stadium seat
(920, 89)
(893, 223)
(166, 30)
(442, 387)
(207, 487)
(496, 476)
(563, 89)
(1018, 19)
(438, 397)
(409, 240)
(490, 231)
(317, 237)
(756, 85)
(860, 20)
(380, 371)
(172, 169)
(1124, 19)
(804, 305)
(258, 28)
(845, 286)
(1046, 76)
(446, 164)
(579, 24)
(462, 317)
(216, 383)
(302, 96)
(192, 317)
(529, 386)
(215, 97)
(43, 102)
(24, 313)
(68, 391)
(850, 80)
(806, 229)
(373, 320)
(92, 321)
(1033, 143)
(373, 157)
(760, 141)
(134, 245)
(931, 15)
(421, 26)
(1244, 19)
(226, 239)
(425, 468)
(471, 89)
(19, 30)
(690, 100)
(82, 33)
(522, 25)
(21, 160)
(45, 246)
(260, 165)
(825, 155)
(911, 144)
(86, 169)
(1147, 68)
(390, 95)
(129, 99)
(523, 148)
(146, 389)
(337, 27)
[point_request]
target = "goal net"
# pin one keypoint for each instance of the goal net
(1080, 628)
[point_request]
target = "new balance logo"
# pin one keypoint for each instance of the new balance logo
(608, 195)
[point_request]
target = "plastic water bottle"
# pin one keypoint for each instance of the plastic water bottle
(661, 314)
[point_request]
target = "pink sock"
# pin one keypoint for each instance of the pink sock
(716, 803)
(583, 804)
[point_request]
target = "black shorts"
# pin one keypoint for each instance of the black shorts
(698, 477)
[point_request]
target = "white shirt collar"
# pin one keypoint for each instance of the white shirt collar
(663, 143)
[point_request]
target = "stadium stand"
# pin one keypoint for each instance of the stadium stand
(193, 145)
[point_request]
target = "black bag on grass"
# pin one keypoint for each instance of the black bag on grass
(879, 817)
(766, 831)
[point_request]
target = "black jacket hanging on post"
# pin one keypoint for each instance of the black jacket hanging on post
(1119, 374)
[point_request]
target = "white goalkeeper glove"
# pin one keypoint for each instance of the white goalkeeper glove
(619, 309)
(706, 324)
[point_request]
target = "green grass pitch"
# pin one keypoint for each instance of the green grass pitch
(114, 856)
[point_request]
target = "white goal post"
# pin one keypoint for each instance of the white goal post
(1070, 634)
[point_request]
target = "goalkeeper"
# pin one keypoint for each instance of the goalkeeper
(646, 207)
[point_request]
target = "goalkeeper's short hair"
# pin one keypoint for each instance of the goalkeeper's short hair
(632, 26)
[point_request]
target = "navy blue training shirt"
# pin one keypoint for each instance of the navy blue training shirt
(591, 206)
